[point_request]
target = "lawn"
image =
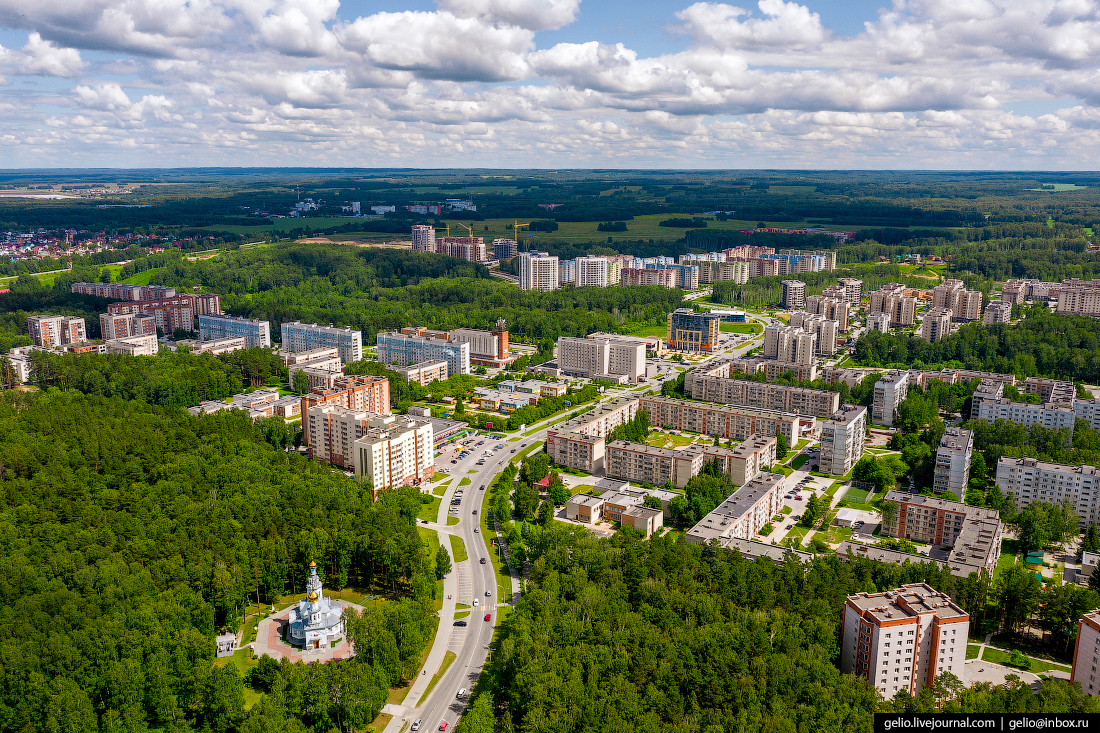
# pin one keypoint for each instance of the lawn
(431, 539)
(583, 488)
(458, 549)
(651, 331)
(998, 656)
(440, 490)
(142, 278)
(972, 651)
(663, 440)
(466, 481)
(742, 328)
(451, 521)
(448, 659)
(856, 496)
(800, 460)
(430, 511)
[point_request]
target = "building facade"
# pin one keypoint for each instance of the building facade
(890, 391)
(793, 294)
(396, 348)
(842, 438)
(256, 333)
(936, 324)
(1086, 653)
(691, 331)
(743, 513)
(802, 400)
(601, 358)
(998, 311)
(51, 332)
(505, 249)
(724, 421)
(592, 272)
(425, 372)
(789, 344)
(1025, 413)
(1079, 298)
(177, 312)
(298, 336)
(953, 455)
(1029, 479)
(537, 271)
(900, 640)
(358, 393)
(423, 238)
(394, 450)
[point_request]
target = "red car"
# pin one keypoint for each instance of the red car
(488, 616)
(443, 725)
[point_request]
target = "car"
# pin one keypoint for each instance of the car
(454, 461)
(498, 446)
(488, 617)
(477, 529)
(858, 524)
(482, 561)
(788, 526)
(475, 511)
(443, 725)
(425, 521)
(461, 693)
(513, 450)
(460, 622)
(482, 488)
(476, 603)
(488, 592)
(416, 725)
(799, 498)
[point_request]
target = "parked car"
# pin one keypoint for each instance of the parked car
(460, 622)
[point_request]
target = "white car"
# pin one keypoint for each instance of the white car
(476, 603)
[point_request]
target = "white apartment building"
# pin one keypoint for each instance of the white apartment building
(826, 330)
(615, 270)
(997, 311)
(567, 272)
(134, 346)
(890, 391)
(298, 336)
(789, 344)
(953, 461)
(592, 272)
(401, 349)
(256, 333)
(394, 450)
(423, 238)
(901, 639)
(1026, 413)
(833, 309)
(793, 294)
(853, 289)
(1079, 298)
(878, 322)
(425, 372)
(1089, 411)
(842, 437)
(537, 271)
(936, 324)
(51, 332)
(1029, 479)
(1086, 653)
(743, 512)
(332, 430)
(601, 358)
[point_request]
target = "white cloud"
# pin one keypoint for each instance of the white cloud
(786, 25)
(536, 15)
(44, 57)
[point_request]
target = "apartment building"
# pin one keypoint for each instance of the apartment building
(1086, 653)
(953, 455)
(936, 324)
(579, 443)
(823, 259)
(401, 349)
(357, 393)
(853, 289)
(878, 322)
(662, 278)
(256, 333)
(1029, 479)
(487, 348)
(1089, 411)
(743, 512)
(122, 291)
(601, 358)
(298, 336)
(789, 344)
(50, 332)
(1079, 298)
(124, 325)
(592, 272)
(471, 249)
(987, 389)
(756, 454)
(998, 311)
(691, 331)
(425, 372)
(321, 366)
(567, 272)
(892, 300)
(1026, 413)
(900, 640)
(793, 294)
(842, 437)
(1052, 391)
(645, 463)
(832, 309)
(725, 421)
(423, 238)
(936, 521)
(505, 249)
(953, 295)
(1015, 292)
(825, 330)
(133, 346)
(323, 354)
(394, 450)
(217, 346)
(801, 372)
(177, 312)
(890, 391)
(332, 429)
(537, 271)
(802, 400)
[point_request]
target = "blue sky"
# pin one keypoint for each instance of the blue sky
(551, 83)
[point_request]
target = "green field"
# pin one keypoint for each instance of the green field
(458, 549)
(651, 331)
(742, 328)
(1038, 666)
(972, 651)
(142, 278)
(429, 511)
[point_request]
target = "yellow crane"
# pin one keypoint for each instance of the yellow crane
(515, 230)
(467, 228)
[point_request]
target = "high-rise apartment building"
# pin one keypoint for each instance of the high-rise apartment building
(256, 333)
(53, 331)
(842, 437)
(936, 324)
(1086, 653)
(1026, 413)
(567, 272)
(789, 344)
(878, 322)
(953, 295)
(691, 331)
(661, 278)
(537, 271)
(394, 450)
(853, 289)
(1029, 479)
(423, 238)
(952, 470)
(833, 309)
(825, 330)
(177, 312)
(403, 349)
(601, 358)
(298, 336)
(793, 294)
(945, 294)
(890, 391)
(356, 393)
(1079, 298)
(892, 300)
(505, 249)
(122, 291)
(900, 640)
(592, 272)
(471, 249)
(998, 311)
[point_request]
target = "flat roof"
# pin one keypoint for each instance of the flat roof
(908, 601)
(957, 439)
(642, 448)
(586, 500)
(714, 525)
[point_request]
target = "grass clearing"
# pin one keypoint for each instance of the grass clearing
(465, 481)
(461, 614)
(431, 539)
(448, 660)
(1000, 656)
(430, 511)
(458, 549)
(440, 490)
(651, 331)
(742, 328)
(451, 521)
(142, 278)
(972, 651)
(799, 460)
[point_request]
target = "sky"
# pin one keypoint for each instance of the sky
(930, 84)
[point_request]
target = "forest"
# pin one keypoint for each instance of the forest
(132, 533)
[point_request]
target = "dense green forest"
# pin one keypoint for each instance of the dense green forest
(132, 533)
(1044, 344)
(662, 635)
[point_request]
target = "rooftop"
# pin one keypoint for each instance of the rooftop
(586, 500)
(717, 523)
(847, 414)
(752, 550)
(957, 439)
(907, 601)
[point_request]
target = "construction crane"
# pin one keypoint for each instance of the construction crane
(467, 228)
(515, 230)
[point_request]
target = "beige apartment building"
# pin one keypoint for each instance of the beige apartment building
(725, 421)
(394, 450)
(802, 400)
(890, 391)
(842, 438)
(892, 300)
(789, 344)
(743, 513)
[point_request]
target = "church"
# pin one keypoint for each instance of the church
(317, 621)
